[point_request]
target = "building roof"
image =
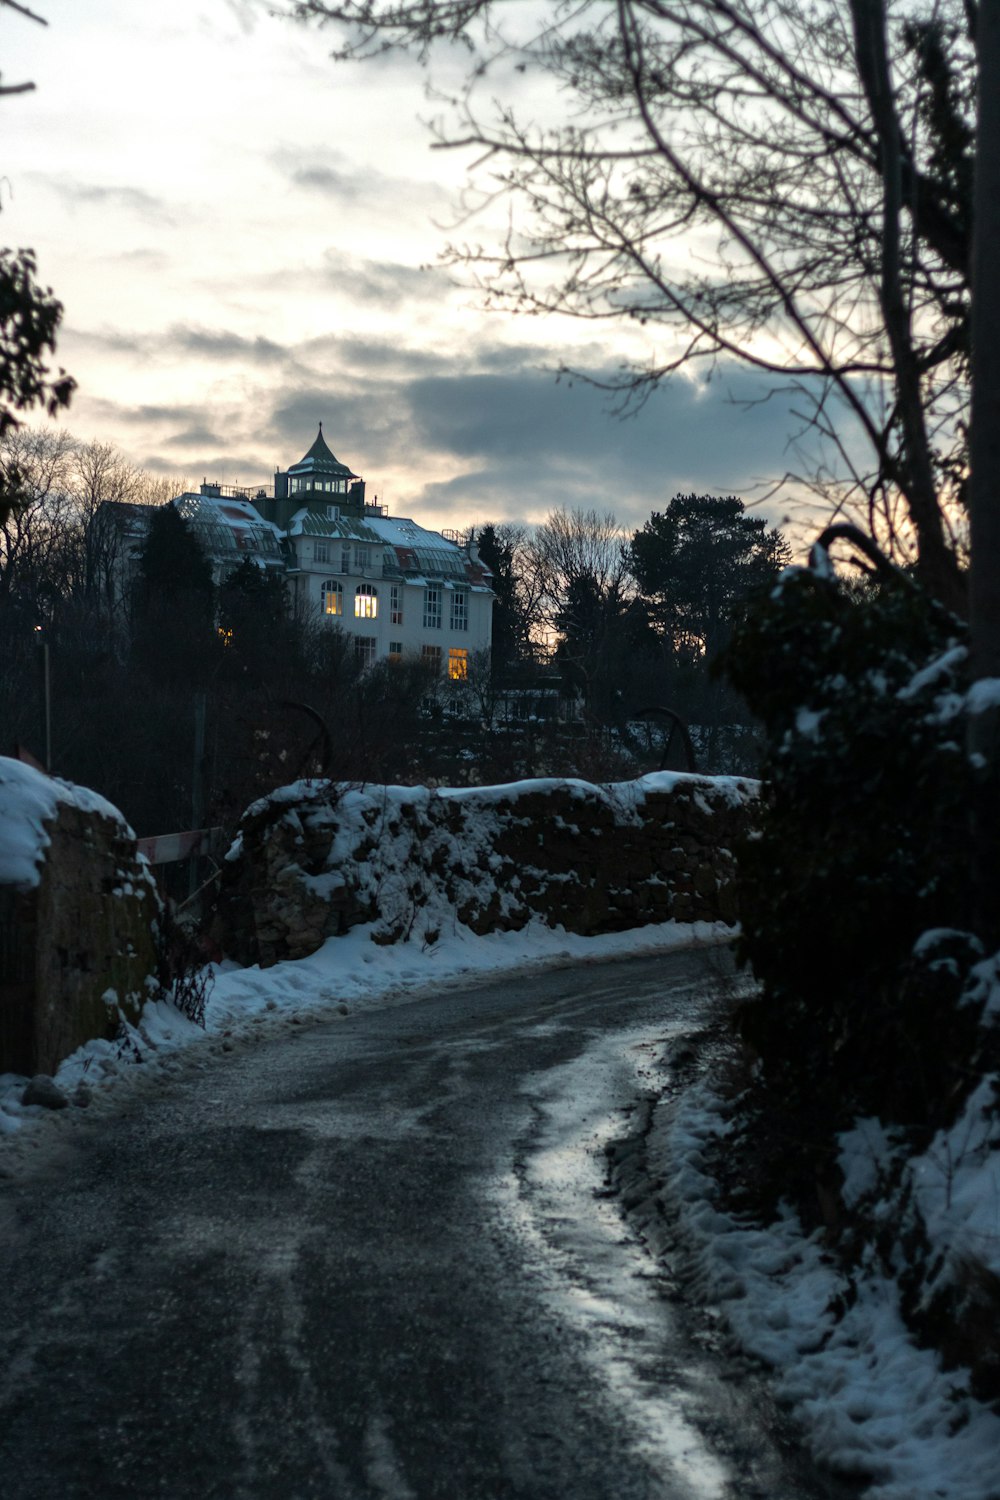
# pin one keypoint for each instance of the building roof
(230, 528)
(319, 460)
(418, 553)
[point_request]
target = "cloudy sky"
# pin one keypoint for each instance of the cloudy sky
(245, 235)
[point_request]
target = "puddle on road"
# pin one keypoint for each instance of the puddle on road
(591, 1272)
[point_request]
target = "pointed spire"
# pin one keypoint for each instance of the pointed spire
(319, 460)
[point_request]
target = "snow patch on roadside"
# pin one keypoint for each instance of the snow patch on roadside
(872, 1404)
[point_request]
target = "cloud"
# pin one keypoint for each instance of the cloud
(155, 414)
(332, 175)
(224, 344)
(379, 283)
(366, 429)
(104, 338)
(96, 195)
(528, 443)
(384, 282)
(345, 186)
(198, 436)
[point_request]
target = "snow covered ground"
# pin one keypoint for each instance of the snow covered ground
(873, 1404)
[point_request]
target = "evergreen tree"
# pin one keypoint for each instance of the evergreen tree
(175, 637)
(259, 639)
(697, 563)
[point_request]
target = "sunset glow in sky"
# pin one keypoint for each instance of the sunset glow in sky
(244, 236)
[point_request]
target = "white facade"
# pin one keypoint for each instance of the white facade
(397, 589)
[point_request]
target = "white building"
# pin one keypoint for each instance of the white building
(397, 589)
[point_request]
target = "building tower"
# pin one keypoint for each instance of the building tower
(318, 480)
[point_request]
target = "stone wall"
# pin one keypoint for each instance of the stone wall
(313, 860)
(77, 912)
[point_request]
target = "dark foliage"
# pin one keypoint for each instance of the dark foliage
(698, 562)
(174, 635)
(259, 639)
(498, 553)
(29, 317)
(862, 850)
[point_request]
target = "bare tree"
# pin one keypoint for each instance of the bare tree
(783, 185)
(506, 549)
(574, 550)
(39, 537)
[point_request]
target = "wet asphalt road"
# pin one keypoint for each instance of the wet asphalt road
(359, 1261)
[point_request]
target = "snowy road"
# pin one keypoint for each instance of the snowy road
(365, 1261)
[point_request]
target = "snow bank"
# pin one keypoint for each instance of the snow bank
(872, 1403)
(29, 803)
(316, 859)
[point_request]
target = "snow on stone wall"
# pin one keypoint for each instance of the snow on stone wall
(77, 906)
(317, 858)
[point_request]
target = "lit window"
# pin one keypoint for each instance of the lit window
(332, 596)
(458, 663)
(225, 635)
(460, 611)
(395, 604)
(365, 602)
(365, 648)
(432, 608)
(321, 552)
(431, 657)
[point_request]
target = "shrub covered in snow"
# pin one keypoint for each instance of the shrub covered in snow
(861, 851)
(874, 1103)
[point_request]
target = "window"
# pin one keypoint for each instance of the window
(360, 559)
(365, 602)
(458, 663)
(345, 559)
(365, 648)
(395, 604)
(432, 609)
(321, 552)
(395, 650)
(332, 596)
(460, 610)
(431, 657)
